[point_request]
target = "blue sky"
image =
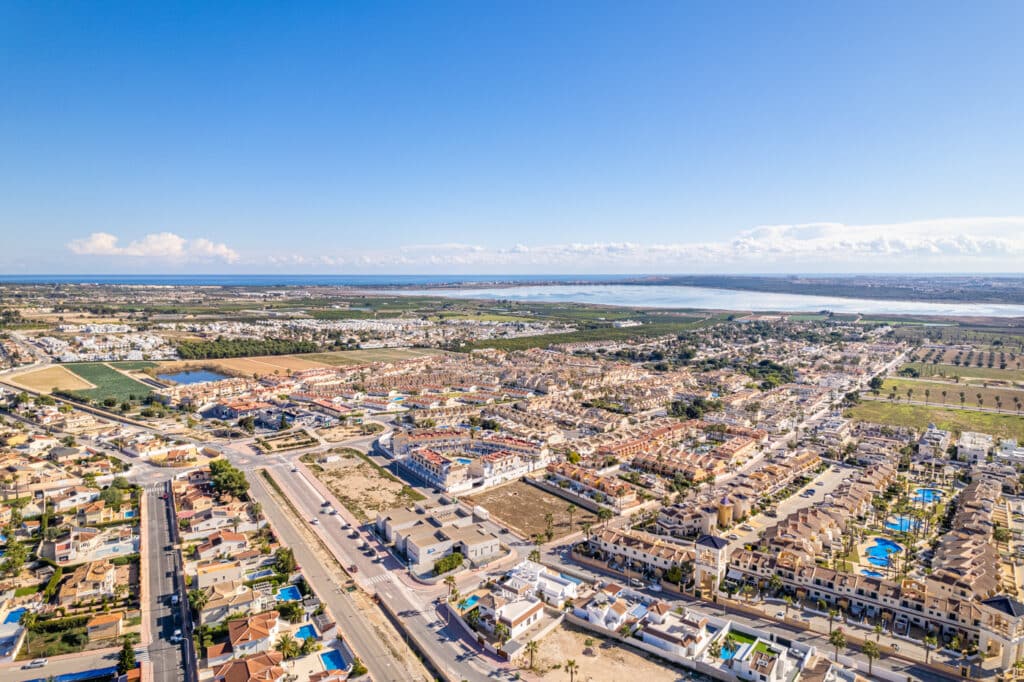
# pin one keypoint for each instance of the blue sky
(511, 137)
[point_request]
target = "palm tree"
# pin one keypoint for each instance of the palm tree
(586, 530)
(198, 599)
(501, 633)
(535, 556)
(930, 642)
(288, 647)
(29, 620)
(963, 398)
(775, 582)
(571, 511)
(838, 640)
(870, 650)
(944, 392)
(789, 604)
(571, 668)
(927, 395)
(450, 582)
(878, 633)
(531, 648)
(603, 515)
(832, 615)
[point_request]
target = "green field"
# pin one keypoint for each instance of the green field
(358, 357)
(108, 381)
(919, 416)
(941, 370)
(990, 397)
(603, 333)
(131, 365)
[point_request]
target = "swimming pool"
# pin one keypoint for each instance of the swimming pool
(927, 495)
(15, 616)
(871, 574)
(902, 524)
(130, 514)
(469, 602)
(259, 574)
(306, 632)
(463, 460)
(289, 593)
(878, 554)
(333, 660)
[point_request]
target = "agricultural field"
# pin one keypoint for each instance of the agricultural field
(953, 395)
(919, 416)
(108, 382)
(283, 364)
(132, 365)
(968, 357)
(53, 377)
(968, 374)
(522, 507)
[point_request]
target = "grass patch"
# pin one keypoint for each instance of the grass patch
(927, 369)
(603, 333)
(359, 357)
(132, 365)
(108, 381)
(919, 416)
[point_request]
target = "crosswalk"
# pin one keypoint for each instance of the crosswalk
(142, 654)
(378, 579)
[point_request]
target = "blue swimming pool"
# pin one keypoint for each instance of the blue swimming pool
(15, 616)
(468, 602)
(463, 460)
(289, 593)
(130, 514)
(878, 553)
(871, 574)
(259, 574)
(927, 495)
(334, 660)
(902, 524)
(306, 632)
(728, 653)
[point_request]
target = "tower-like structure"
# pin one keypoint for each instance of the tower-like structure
(711, 559)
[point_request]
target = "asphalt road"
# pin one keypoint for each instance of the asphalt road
(379, 572)
(166, 659)
(327, 584)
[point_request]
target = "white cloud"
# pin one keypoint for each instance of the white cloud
(958, 245)
(165, 246)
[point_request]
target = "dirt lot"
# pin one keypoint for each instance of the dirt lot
(360, 486)
(49, 378)
(522, 507)
(604, 661)
(336, 434)
(261, 365)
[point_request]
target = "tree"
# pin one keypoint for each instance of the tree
(838, 641)
(198, 599)
(227, 480)
(501, 633)
(930, 642)
(449, 582)
(878, 633)
(870, 650)
(775, 583)
(531, 648)
(603, 515)
(535, 556)
(126, 659)
(288, 647)
(571, 668)
(549, 525)
(14, 558)
(789, 604)
(832, 615)
(571, 511)
(284, 561)
(29, 620)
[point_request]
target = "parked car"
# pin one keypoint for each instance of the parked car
(315, 522)
(295, 470)
(635, 583)
(353, 569)
(325, 503)
(38, 663)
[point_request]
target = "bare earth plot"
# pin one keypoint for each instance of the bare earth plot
(604, 660)
(358, 357)
(522, 507)
(361, 487)
(49, 378)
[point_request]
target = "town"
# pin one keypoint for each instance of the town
(337, 492)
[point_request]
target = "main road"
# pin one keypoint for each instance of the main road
(417, 605)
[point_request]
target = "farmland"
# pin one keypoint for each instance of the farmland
(919, 416)
(948, 393)
(967, 373)
(109, 383)
(50, 378)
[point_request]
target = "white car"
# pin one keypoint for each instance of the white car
(38, 663)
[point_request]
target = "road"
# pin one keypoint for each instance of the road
(328, 585)
(381, 573)
(163, 578)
